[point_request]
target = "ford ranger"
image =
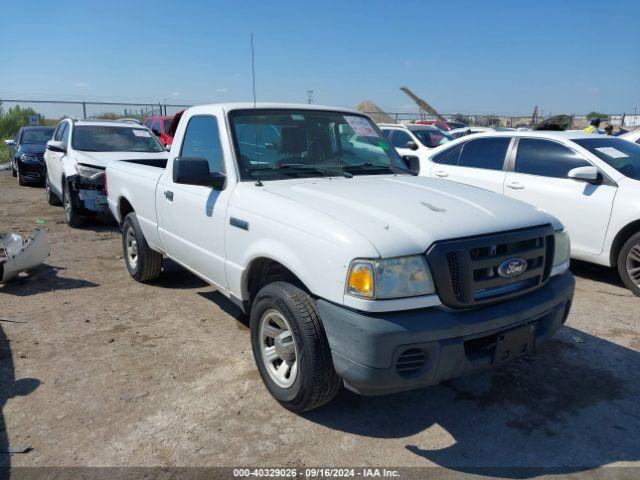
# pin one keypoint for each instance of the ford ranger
(352, 269)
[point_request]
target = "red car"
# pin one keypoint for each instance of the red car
(442, 125)
(160, 127)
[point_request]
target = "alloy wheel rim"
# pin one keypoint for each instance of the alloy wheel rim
(67, 204)
(633, 264)
(278, 348)
(132, 248)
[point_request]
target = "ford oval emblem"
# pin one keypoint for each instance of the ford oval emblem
(512, 267)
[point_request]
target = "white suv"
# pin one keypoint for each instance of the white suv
(590, 182)
(78, 154)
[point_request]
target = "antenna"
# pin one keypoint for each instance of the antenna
(253, 71)
(255, 123)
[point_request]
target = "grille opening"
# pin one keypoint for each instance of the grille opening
(454, 272)
(411, 362)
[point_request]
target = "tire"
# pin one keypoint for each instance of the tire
(629, 263)
(142, 262)
(312, 380)
(14, 173)
(73, 218)
(52, 198)
(21, 181)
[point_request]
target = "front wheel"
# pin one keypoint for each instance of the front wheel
(74, 219)
(290, 348)
(143, 263)
(14, 173)
(629, 263)
(52, 198)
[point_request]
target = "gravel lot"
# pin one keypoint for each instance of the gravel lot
(96, 369)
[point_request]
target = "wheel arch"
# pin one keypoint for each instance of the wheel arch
(621, 237)
(262, 271)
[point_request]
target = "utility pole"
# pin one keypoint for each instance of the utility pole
(309, 96)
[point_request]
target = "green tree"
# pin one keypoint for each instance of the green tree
(603, 116)
(10, 121)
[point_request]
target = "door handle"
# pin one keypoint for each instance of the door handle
(168, 195)
(515, 186)
(441, 174)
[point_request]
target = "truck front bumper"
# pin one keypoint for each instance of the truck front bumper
(390, 352)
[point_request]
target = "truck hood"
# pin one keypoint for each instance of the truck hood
(102, 159)
(402, 215)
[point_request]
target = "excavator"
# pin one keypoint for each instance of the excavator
(425, 108)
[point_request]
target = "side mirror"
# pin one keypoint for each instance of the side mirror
(195, 171)
(412, 145)
(585, 174)
(155, 132)
(56, 146)
(10, 143)
(413, 163)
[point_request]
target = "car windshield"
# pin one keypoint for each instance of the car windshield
(103, 138)
(432, 137)
(620, 154)
(278, 144)
(36, 136)
(167, 123)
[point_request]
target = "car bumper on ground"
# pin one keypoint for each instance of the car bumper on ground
(384, 353)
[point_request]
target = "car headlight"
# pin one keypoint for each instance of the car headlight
(561, 252)
(28, 158)
(390, 278)
(89, 172)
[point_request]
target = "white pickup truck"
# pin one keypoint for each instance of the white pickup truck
(352, 269)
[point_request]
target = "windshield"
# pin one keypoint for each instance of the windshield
(432, 137)
(36, 136)
(102, 138)
(620, 154)
(277, 144)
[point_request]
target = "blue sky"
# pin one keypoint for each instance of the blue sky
(462, 56)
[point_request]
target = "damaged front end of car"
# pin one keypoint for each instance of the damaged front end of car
(19, 255)
(88, 188)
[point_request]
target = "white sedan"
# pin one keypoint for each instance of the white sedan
(590, 182)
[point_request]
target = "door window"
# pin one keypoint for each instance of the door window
(157, 127)
(399, 139)
(449, 156)
(546, 158)
(148, 123)
(202, 140)
(58, 134)
(487, 153)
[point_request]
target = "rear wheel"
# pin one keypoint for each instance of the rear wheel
(142, 262)
(74, 219)
(629, 263)
(290, 348)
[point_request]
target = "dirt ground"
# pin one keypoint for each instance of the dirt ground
(99, 370)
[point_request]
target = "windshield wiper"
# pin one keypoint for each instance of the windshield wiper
(381, 165)
(303, 166)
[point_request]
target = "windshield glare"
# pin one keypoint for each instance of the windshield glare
(620, 154)
(102, 138)
(36, 136)
(432, 137)
(306, 140)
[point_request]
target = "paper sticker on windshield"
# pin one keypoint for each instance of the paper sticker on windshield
(141, 133)
(360, 126)
(612, 152)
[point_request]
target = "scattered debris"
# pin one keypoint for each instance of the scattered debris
(39, 221)
(5, 166)
(17, 255)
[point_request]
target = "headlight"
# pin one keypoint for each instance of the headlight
(561, 251)
(27, 158)
(89, 172)
(390, 278)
